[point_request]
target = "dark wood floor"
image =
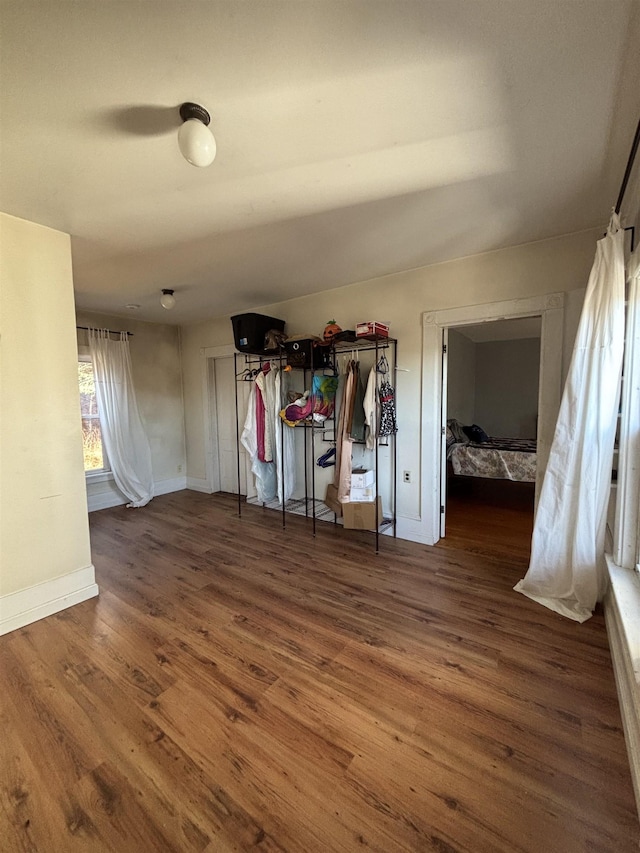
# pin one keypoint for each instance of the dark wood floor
(490, 517)
(237, 687)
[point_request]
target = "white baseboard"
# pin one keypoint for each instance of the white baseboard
(114, 497)
(104, 500)
(165, 487)
(28, 605)
(621, 610)
(197, 484)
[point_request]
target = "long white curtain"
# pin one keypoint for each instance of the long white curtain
(122, 430)
(567, 571)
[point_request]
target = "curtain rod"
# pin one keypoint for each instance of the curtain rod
(111, 332)
(627, 171)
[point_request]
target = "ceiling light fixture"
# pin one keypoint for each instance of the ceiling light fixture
(195, 139)
(167, 300)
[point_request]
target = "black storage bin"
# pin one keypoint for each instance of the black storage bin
(249, 331)
(307, 354)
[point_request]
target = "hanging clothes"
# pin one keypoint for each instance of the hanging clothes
(260, 419)
(266, 386)
(344, 442)
(263, 472)
(323, 395)
(284, 459)
(370, 407)
(388, 423)
(358, 428)
(275, 475)
(567, 571)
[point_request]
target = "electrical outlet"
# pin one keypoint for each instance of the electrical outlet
(179, 469)
(406, 476)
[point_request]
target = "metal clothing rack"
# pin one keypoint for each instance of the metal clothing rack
(377, 346)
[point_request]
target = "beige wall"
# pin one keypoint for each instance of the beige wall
(157, 378)
(461, 378)
(507, 379)
(45, 534)
(560, 264)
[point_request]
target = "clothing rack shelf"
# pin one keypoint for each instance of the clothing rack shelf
(310, 430)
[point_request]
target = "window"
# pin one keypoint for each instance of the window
(95, 459)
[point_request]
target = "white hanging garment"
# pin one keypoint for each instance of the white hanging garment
(344, 442)
(284, 456)
(567, 571)
(371, 410)
(264, 472)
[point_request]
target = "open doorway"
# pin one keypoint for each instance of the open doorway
(491, 379)
(550, 307)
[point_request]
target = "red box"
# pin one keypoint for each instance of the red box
(372, 330)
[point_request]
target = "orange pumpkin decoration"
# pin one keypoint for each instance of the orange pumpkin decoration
(331, 329)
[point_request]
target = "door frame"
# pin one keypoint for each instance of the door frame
(550, 307)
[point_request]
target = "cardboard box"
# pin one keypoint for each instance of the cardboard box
(367, 494)
(331, 499)
(361, 478)
(372, 329)
(361, 516)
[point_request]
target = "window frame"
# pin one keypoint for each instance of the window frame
(626, 533)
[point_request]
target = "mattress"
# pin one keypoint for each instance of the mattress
(496, 459)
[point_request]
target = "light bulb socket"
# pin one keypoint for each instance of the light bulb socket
(189, 110)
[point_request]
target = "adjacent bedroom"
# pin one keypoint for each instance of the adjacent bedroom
(489, 477)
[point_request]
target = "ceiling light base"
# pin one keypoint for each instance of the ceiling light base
(189, 110)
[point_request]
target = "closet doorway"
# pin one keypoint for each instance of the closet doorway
(220, 425)
(490, 394)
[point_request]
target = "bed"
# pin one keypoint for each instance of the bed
(492, 458)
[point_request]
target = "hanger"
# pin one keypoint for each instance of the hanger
(247, 374)
(383, 365)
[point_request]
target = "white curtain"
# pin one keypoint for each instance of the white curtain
(567, 571)
(122, 430)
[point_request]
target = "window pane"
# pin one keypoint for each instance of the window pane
(91, 432)
(88, 402)
(92, 444)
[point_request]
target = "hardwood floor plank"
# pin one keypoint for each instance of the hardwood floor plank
(239, 687)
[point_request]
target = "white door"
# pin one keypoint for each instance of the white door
(228, 430)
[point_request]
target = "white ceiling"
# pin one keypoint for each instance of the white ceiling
(355, 138)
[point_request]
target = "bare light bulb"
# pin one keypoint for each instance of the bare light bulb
(167, 300)
(195, 139)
